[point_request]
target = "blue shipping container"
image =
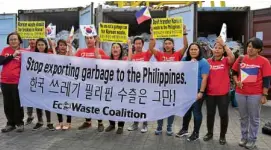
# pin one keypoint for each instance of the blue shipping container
(7, 25)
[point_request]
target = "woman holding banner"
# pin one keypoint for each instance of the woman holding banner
(251, 73)
(11, 60)
(168, 55)
(63, 48)
(218, 89)
(194, 54)
(117, 53)
(42, 47)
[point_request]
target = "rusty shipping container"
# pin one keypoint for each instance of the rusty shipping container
(260, 27)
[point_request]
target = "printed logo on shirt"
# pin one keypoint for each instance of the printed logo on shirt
(217, 67)
(168, 58)
(84, 54)
(244, 65)
(138, 59)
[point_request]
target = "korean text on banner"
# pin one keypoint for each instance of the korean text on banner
(107, 89)
(167, 27)
(31, 29)
(109, 32)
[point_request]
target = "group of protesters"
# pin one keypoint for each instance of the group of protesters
(213, 84)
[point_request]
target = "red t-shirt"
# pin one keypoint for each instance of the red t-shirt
(218, 79)
(253, 71)
(162, 56)
(11, 71)
(142, 56)
(89, 53)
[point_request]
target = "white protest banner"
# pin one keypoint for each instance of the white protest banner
(51, 31)
(88, 30)
(107, 89)
(223, 32)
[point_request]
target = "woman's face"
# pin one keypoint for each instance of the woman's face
(168, 45)
(116, 50)
(14, 41)
(194, 51)
(218, 50)
(62, 47)
(41, 46)
(252, 51)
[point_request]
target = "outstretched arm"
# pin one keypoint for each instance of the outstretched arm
(52, 45)
(185, 42)
(130, 50)
(69, 50)
(230, 55)
(97, 50)
(152, 43)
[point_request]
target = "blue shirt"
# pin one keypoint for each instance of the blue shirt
(204, 68)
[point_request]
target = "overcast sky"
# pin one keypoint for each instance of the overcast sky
(12, 6)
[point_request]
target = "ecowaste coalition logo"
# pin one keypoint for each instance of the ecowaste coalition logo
(67, 106)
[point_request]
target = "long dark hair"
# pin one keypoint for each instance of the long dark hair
(188, 56)
(46, 45)
(121, 51)
(171, 40)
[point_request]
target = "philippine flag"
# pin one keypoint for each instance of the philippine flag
(249, 74)
(143, 15)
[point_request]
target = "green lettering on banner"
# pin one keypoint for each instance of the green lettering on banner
(167, 27)
(31, 29)
(113, 32)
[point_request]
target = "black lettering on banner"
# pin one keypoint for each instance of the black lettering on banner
(57, 105)
(108, 93)
(33, 84)
(98, 91)
(33, 65)
(41, 83)
(89, 90)
(36, 82)
(122, 93)
(132, 95)
(54, 83)
(121, 77)
(159, 96)
(66, 88)
(142, 95)
(169, 97)
(77, 87)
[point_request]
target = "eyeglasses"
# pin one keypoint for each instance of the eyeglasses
(13, 39)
